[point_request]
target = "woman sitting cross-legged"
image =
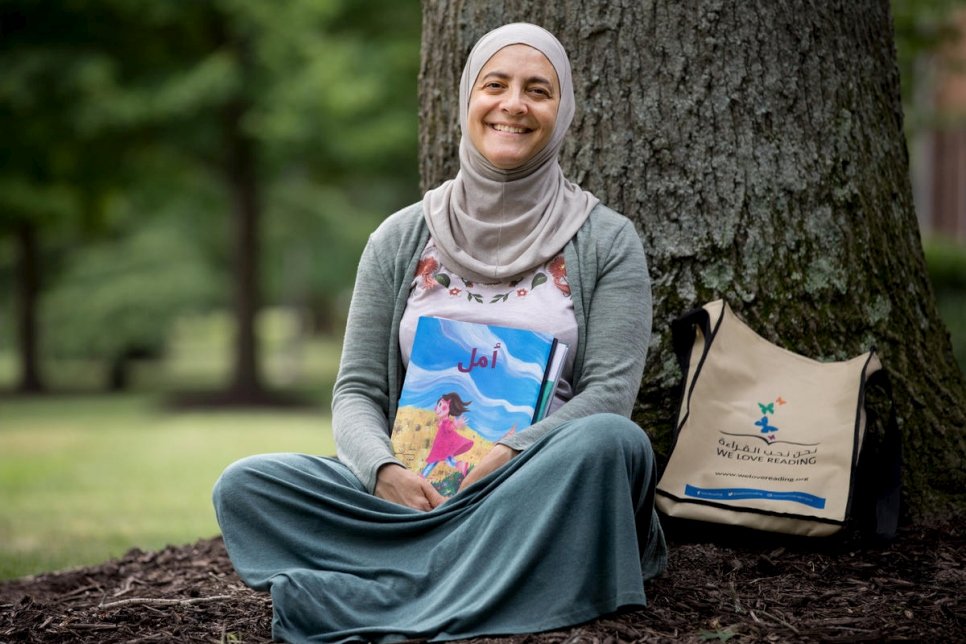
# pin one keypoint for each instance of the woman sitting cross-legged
(555, 525)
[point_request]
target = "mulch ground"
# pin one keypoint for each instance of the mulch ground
(730, 590)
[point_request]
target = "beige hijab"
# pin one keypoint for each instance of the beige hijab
(489, 224)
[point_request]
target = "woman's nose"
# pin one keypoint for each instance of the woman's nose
(514, 103)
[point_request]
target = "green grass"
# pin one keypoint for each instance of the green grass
(86, 478)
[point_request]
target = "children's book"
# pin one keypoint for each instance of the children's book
(467, 386)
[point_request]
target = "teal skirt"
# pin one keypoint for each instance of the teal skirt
(564, 533)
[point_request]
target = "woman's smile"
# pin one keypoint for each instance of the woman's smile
(513, 106)
(510, 129)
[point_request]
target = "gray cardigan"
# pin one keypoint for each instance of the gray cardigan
(611, 292)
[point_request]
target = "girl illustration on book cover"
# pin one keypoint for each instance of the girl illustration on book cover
(448, 444)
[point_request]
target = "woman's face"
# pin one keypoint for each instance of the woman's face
(442, 407)
(513, 106)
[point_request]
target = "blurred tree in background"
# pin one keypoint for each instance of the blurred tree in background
(922, 28)
(54, 176)
(165, 157)
(932, 60)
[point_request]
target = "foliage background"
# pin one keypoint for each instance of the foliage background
(134, 128)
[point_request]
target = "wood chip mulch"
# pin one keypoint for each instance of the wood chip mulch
(737, 591)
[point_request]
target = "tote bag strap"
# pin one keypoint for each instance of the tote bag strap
(880, 467)
(683, 334)
(683, 331)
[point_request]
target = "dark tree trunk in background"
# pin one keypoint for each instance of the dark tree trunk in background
(758, 148)
(242, 181)
(27, 289)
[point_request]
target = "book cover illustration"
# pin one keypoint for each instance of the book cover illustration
(467, 386)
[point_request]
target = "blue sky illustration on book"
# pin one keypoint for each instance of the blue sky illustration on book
(459, 356)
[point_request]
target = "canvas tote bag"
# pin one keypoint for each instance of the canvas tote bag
(770, 439)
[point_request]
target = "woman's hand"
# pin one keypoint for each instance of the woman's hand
(497, 457)
(397, 484)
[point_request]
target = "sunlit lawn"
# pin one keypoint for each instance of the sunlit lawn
(86, 477)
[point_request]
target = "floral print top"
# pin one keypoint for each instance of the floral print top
(539, 300)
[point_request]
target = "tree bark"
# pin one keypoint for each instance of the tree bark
(758, 148)
(28, 286)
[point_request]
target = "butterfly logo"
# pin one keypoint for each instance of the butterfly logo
(767, 409)
(765, 427)
(781, 401)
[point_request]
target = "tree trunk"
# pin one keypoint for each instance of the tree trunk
(758, 148)
(242, 180)
(118, 378)
(28, 286)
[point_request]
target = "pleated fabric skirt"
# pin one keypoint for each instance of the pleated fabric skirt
(562, 534)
